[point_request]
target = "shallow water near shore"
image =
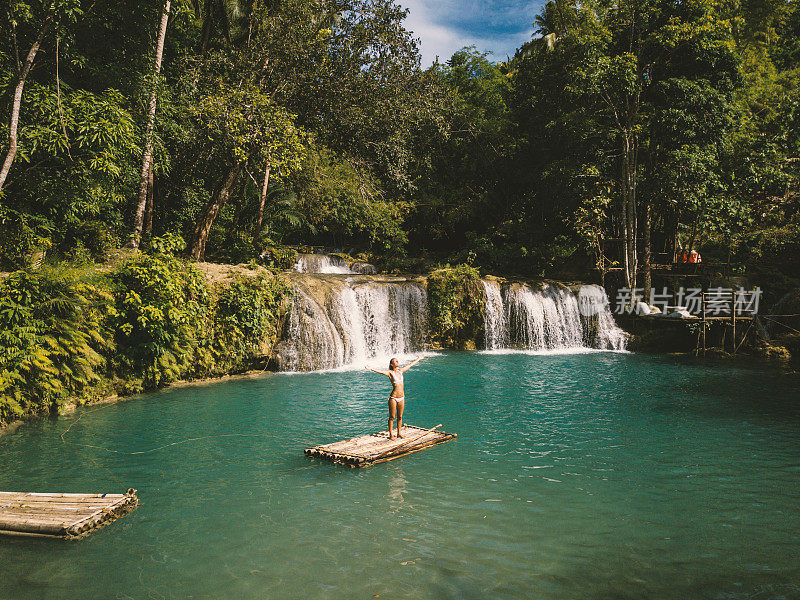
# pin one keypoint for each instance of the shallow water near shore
(599, 475)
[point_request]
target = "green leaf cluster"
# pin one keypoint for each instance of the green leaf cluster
(455, 306)
(247, 317)
(162, 311)
(53, 344)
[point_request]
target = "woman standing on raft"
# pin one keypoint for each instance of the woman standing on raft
(397, 399)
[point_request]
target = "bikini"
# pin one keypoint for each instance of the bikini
(395, 378)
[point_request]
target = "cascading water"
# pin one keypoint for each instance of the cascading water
(337, 322)
(601, 329)
(495, 331)
(321, 263)
(542, 319)
(549, 318)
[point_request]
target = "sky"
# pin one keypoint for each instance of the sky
(444, 26)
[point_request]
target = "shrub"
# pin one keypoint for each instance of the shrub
(89, 240)
(240, 248)
(168, 244)
(21, 238)
(65, 332)
(280, 258)
(455, 306)
(162, 314)
(246, 319)
(52, 336)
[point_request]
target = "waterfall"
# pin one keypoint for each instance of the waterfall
(549, 317)
(336, 323)
(602, 331)
(321, 263)
(494, 318)
(542, 319)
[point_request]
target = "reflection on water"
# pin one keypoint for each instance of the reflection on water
(573, 476)
(397, 487)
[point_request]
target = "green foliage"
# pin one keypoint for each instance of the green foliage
(171, 325)
(21, 237)
(94, 132)
(770, 255)
(455, 306)
(163, 309)
(516, 163)
(169, 244)
(94, 238)
(466, 157)
(76, 160)
(280, 258)
(240, 248)
(248, 121)
(591, 223)
(246, 319)
(74, 333)
(346, 207)
(52, 340)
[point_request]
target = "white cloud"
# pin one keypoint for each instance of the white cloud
(445, 26)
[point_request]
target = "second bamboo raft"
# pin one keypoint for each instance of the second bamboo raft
(61, 515)
(375, 448)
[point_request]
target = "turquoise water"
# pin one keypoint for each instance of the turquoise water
(574, 476)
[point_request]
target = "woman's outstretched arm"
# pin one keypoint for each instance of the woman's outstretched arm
(411, 364)
(377, 371)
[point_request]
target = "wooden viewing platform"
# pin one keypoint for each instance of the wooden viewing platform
(375, 448)
(61, 515)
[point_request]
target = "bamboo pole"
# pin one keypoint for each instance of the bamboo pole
(412, 440)
(733, 318)
(703, 303)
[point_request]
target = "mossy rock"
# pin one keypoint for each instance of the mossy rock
(456, 301)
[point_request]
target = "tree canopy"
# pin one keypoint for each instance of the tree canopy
(620, 132)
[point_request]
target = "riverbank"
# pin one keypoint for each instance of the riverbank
(72, 404)
(83, 334)
(682, 337)
(144, 322)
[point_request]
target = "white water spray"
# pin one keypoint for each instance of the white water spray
(601, 330)
(353, 322)
(542, 319)
(321, 263)
(494, 317)
(550, 317)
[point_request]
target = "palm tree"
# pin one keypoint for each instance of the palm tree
(234, 19)
(283, 211)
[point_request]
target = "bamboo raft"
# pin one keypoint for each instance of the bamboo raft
(61, 515)
(375, 448)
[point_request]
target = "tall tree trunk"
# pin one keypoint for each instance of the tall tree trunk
(147, 157)
(206, 220)
(148, 213)
(13, 127)
(250, 26)
(646, 246)
(237, 213)
(629, 225)
(208, 21)
(263, 201)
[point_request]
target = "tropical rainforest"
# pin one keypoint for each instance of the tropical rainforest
(245, 125)
(233, 130)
